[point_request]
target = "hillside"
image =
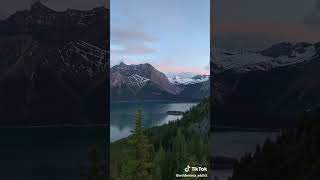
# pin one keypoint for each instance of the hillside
(294, 155)
(54, 67)
(267, 88)
(192, 133)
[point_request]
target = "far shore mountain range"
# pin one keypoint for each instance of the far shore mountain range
(144, 82)
(268, 88)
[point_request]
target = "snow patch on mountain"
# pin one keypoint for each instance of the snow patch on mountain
(179, 79)
(137, 80)
(80, 56)
(245, 61)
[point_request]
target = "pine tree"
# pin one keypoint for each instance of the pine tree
(160, 163)
(179, 151)
(142, 150)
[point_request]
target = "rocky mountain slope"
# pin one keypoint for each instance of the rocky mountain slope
(144, 82)
(267, 88)
(54, 66)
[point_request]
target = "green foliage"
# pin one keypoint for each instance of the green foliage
(138, 162)
(142, 150)
(179, 151)
(160, 161)
(173, 146)
(295, 155)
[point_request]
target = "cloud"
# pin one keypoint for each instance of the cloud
(181, 69)
(126, 35)
(132, 49)
(129, 42)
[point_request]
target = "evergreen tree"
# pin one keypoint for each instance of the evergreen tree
(179, 151)
(142, 155)
(160, 163)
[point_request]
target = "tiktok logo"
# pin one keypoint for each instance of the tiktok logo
(187, 169)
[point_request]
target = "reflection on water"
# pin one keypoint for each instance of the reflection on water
(119, 132)
(155, 114)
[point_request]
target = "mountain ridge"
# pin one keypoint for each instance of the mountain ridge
(272, 95)
(144, 82)
(53, 71)
(275, 56)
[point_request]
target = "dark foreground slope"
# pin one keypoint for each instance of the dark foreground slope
(295, 155)
(54, 67)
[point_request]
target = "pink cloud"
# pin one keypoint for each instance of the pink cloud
(131, 42)
(125, 35)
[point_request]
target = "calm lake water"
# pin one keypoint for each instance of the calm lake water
(235, 144)
(155, 114)
(50, 153)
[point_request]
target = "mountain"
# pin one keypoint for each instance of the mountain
(267, 88)
(187, 78)
(144, 82)
(141, 81)
(54, 66)
(276, 56)
(195, 91)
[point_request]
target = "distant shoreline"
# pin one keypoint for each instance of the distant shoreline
(53, 126)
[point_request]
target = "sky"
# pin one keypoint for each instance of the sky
(172, 35)
(11, 6)
(258, 23)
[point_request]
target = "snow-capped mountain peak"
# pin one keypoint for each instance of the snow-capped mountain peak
(278, 55)
(186, 79)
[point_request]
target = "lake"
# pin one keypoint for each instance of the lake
(50, 152)
(235, 144)
(122, 115)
